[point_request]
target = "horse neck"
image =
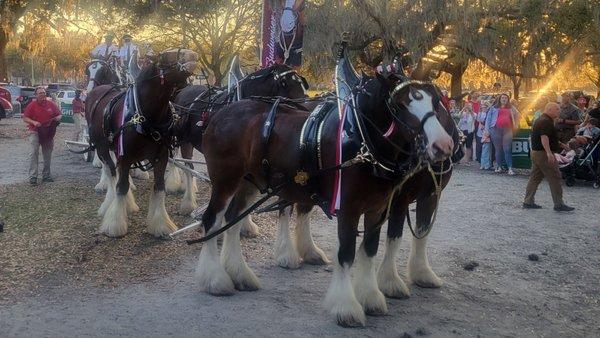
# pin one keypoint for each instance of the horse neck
(153, 99)
(383, 119)
(266, 87)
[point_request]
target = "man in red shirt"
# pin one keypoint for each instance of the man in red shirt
(41, 115)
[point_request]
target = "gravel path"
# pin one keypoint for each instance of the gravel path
(479, 220)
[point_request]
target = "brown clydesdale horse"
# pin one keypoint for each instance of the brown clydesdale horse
(426, 139)
(144, 137)
(195, 104)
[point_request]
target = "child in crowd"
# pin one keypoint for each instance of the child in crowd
(467, 125)
(567, 155)
(590, 130)
(486, 145)
(486, 151)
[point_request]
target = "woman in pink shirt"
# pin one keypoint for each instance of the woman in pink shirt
(500, 122)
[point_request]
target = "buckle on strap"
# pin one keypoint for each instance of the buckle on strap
(156, 136)
(137, 118)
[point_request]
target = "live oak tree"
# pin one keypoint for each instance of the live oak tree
(216, 30)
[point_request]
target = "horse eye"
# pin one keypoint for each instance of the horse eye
(417, 95)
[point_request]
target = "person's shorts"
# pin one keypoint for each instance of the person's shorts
(469, 140)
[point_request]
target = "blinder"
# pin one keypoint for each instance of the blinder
(417, 133)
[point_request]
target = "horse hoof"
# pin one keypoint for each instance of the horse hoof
(393, 287)
(249, 233)
(289, 261)
(247, 285)
(376, 306)
(351, 320)
(425, 279)
(215, 281)
(249, 229)
(315, 257)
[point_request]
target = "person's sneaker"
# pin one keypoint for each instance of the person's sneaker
(531, 206)
(48, 179)
(498, 170)
(33, 180)
(563, 207)
(511, 172)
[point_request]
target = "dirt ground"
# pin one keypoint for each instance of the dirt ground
(57, 278)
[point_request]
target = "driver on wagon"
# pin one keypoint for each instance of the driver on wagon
(105, 50)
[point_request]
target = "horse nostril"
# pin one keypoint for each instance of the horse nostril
(442, 148)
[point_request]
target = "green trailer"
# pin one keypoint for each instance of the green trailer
(67, 112)
(521, 149)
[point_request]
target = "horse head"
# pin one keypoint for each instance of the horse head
(416, 108)
(100, 73)
(175, 65)
(276, 80)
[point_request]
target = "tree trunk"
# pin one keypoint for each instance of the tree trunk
(516, 86)
(456, 80)
(528, 85)
(216, 70)
(3, 43)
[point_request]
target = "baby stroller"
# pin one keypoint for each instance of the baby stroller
(585, 166)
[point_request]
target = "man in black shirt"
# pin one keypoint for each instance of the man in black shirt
(544, 143)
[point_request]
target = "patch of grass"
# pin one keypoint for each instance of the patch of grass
(49, 239)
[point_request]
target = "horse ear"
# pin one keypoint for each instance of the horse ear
(385, 81)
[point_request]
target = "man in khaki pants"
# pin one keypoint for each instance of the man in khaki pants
(544, 143)
(78, 114)
(40, 115)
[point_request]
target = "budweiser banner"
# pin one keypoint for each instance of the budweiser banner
(282, 32)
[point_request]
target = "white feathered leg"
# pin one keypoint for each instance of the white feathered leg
(388, 278)
(365, 285)
(341, 301)
(103, 183)
(132, 185)
(189, 203)
(249, 228)
(111, 191)
(211, 275)
(159, 222)
(114, 222)
(233, 261)
(130, 199)
(173, 178)
(419, 271)
(140, 174)
(308, 250)
(96, 162)
(286, 254)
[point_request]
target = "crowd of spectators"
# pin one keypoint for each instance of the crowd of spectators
(489, 123)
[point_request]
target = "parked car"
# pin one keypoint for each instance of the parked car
(6, 109)
(15, 92)
(53, 88)
(27, 94)
(65, 96)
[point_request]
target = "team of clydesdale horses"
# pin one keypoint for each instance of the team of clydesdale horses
(251, 146)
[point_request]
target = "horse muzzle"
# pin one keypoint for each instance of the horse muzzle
(440, 149)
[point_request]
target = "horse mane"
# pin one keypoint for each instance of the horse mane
(147, 73)
(277, 68)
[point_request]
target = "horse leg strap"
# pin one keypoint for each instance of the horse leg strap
(237, 219)
(278, 205)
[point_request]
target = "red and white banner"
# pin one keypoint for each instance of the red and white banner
(282, 32)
